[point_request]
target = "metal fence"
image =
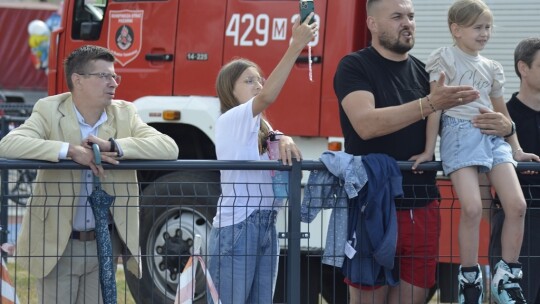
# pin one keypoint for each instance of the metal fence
(178, 200)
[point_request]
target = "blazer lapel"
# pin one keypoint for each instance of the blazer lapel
(69, 127)
(68, 122)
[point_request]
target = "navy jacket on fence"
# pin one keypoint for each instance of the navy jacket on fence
(373, 224)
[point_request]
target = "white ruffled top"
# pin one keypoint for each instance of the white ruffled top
(460, 68)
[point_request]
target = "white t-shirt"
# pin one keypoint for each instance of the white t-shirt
(242, 191)
(460, 68)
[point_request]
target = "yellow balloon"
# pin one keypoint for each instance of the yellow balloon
(36, 40)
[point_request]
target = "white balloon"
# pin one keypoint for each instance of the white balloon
(38, 27)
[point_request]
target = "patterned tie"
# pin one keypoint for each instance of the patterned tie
(100, 202)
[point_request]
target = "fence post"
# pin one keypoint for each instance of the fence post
(293, 246)
(4, 188)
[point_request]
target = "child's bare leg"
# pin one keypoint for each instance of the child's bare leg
(504, 179)
(465, 183)
(486, 195)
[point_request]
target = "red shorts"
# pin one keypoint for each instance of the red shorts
(417, 246)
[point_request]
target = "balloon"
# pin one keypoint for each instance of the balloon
(38, 27)
(35, 41)
(53, 22)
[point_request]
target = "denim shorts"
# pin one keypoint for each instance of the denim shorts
(463, 145)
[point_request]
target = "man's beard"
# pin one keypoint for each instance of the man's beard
(395, 45)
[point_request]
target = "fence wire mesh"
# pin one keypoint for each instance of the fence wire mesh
(180, 204)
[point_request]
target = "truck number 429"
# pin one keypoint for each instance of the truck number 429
(263, 29)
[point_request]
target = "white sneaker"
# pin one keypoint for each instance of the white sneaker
(505, 287)
(471, 288)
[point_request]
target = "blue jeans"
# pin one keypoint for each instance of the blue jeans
(243, 259)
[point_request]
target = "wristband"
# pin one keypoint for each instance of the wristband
(430, 104)
(421, 109)
(113, 145)
(513, 131)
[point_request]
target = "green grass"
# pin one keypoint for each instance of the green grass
(26, 290)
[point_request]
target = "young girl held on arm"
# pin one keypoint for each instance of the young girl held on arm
(466, 152)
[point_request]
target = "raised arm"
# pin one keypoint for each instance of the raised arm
(302, 34)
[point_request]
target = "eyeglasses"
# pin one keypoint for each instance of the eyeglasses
(105, 76)
(252, 80)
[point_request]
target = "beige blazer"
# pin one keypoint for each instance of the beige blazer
(47, 223)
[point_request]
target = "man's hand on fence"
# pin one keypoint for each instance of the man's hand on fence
(104, 145)
(85, 157)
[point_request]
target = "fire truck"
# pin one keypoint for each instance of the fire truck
(169, 53)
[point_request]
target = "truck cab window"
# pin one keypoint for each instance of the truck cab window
(88, 19)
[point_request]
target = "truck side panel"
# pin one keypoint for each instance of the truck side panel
(260, 31)
(199, 47)
(142, 36)
(345, 32)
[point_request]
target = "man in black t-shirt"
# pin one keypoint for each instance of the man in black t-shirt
(524, 109)
(384, 98)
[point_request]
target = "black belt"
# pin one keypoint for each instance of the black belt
(86, 236)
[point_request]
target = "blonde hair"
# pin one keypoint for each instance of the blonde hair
(226, 79)
(466, 12)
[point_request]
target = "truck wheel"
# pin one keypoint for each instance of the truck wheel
(173, 209)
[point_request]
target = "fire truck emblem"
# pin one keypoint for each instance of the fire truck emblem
(125, 35)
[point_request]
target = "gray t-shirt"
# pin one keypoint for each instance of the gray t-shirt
(460, 68)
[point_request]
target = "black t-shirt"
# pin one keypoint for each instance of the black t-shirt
(527, 123)
(392, 83)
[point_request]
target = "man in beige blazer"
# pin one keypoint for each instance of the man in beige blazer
(57, 242)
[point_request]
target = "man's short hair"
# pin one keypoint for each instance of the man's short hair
(77, 61)
(526, 51)
(369, 6)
